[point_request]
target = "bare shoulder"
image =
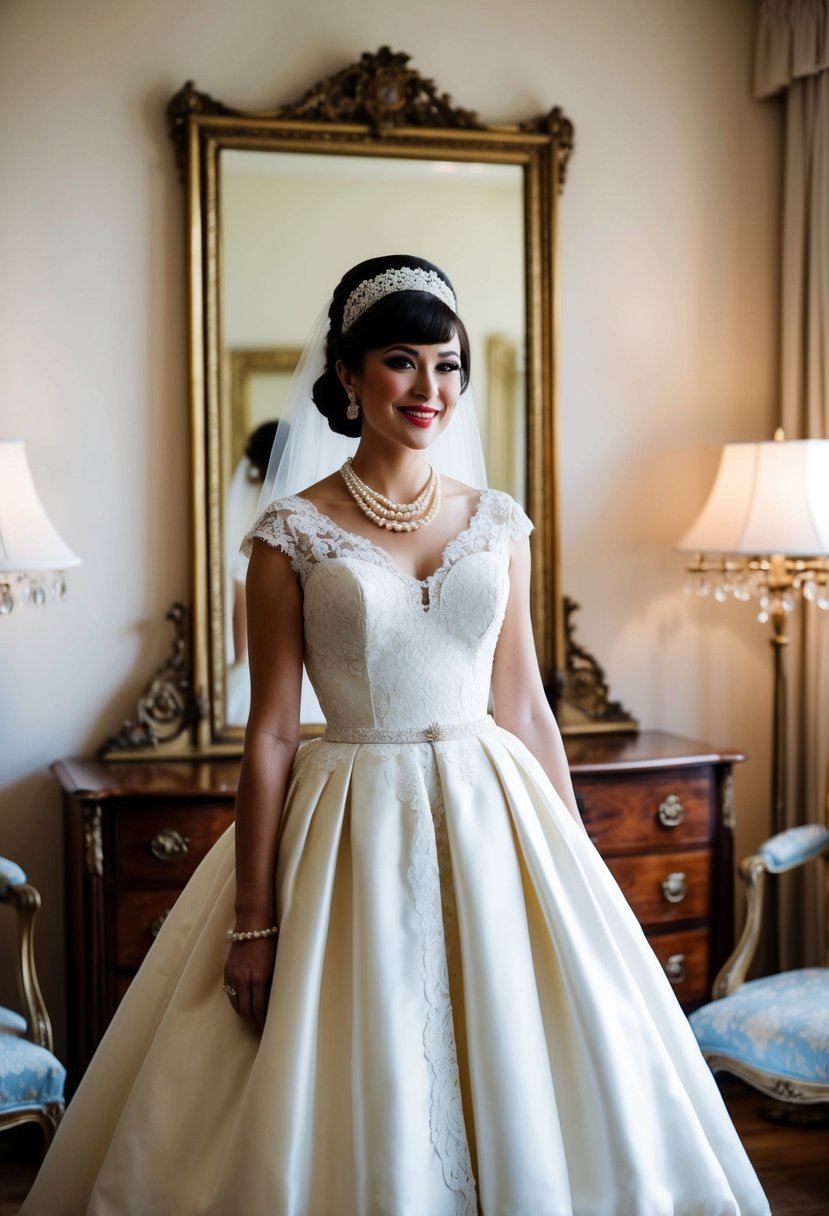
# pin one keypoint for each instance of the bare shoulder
(269, 569)
(465, 495)
(330, 492)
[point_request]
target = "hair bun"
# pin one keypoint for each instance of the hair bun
(331, 400)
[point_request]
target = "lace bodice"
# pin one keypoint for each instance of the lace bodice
(382, 648)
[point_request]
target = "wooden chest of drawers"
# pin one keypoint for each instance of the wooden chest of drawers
(134, 834)
(657, 807)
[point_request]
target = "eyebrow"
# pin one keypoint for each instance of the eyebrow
(411, 350)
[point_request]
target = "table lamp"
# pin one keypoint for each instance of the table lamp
(33, 557)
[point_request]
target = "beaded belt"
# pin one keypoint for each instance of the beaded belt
(436, 732)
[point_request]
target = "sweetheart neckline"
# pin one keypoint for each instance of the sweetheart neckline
(423, 583)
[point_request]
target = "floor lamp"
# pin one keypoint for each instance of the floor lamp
(33, 557)
(763, 536)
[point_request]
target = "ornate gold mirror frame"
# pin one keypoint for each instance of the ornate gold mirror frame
(379, 107)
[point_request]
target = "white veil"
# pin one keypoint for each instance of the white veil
(305, 449)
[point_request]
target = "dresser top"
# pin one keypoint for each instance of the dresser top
(211, 778)
(649, 749)
(98, 779)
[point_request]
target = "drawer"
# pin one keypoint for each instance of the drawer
(166, 843)
(685, 957)
(665, 887)
(138, 919)
(640, 810)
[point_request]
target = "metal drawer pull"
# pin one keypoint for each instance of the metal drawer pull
(169, 845)
(674, 887)
(154, 927)
(670, 813)
(675, 968)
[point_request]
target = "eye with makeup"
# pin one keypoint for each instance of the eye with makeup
(401, 363)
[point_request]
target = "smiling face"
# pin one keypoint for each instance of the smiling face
(407, 392)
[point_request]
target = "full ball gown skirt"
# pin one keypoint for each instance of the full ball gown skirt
(465, 1015)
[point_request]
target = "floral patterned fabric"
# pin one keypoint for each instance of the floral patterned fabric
(779, 1024)
(11, 1022)
(29, 1075)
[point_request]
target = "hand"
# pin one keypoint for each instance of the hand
(249, 972)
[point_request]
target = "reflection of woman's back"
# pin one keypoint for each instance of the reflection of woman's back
(241, 511)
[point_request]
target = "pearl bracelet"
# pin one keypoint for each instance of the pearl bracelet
(252, 934)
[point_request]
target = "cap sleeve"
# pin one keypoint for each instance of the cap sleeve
(273, 527)
(520, 524)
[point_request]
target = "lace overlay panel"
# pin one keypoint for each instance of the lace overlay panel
(434, 900)
(307, 536)
(377, 656)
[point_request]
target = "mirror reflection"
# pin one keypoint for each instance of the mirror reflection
(290, 223)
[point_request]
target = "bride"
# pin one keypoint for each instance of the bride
(435, 1001)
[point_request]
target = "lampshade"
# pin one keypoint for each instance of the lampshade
(768, 498)
(28, 542)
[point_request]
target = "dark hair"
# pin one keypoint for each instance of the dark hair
(258, 447)
(402, 316)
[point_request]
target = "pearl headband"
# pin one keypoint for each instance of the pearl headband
(406, 278)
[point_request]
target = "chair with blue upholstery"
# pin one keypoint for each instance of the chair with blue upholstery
(772, 1032)
(31, 1078)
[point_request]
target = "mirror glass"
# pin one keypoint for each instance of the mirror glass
(290, 224)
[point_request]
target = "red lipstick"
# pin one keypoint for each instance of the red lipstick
(422, 417)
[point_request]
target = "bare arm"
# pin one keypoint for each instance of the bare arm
(519, 700)
(240, 623)
(274, 612)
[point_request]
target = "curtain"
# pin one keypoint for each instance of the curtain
(792, 63)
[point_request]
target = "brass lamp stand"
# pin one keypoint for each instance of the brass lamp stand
(782, 580)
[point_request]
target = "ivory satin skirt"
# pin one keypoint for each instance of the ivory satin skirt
(465, 1018)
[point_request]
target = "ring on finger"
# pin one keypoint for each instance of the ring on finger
(230, 991)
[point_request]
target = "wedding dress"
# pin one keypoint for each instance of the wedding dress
(465, 1015)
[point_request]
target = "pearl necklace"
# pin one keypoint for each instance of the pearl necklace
(395, 516)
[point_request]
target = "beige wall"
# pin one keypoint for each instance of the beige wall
(668, 256)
